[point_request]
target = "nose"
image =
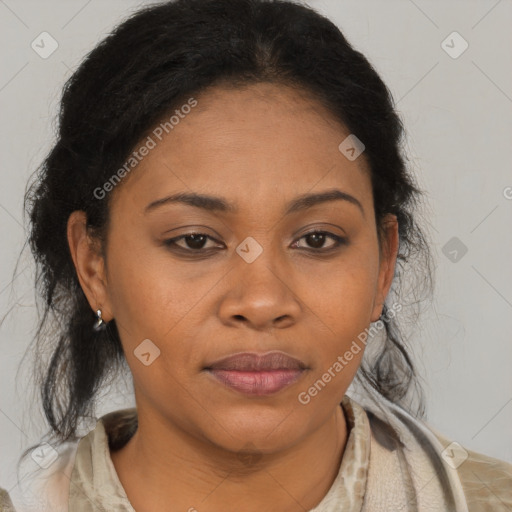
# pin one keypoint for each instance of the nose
(260, 295)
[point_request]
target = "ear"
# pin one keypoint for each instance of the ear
(388, 254)
(89, 264)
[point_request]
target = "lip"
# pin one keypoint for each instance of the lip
(257, 374)
(252, 361)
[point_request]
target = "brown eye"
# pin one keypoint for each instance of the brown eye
(195, 241)
(317, 239)
(192, 242)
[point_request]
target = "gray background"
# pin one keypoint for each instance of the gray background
(458, 115)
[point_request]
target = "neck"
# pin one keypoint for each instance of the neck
(162, 465)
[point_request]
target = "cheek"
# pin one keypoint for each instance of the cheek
(145, 304)
(343, 294)
(148, 295)
(149, 303)
(154, 299)
(342, 303)
(342, 316)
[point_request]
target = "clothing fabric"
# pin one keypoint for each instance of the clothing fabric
(391, 462)
(5, 502)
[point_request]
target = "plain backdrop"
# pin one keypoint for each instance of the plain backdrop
(457, 110)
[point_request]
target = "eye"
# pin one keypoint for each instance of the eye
(194, 242)
(316, 240)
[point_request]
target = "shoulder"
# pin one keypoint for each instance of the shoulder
(46, 472)
(43, 482)
(5, 502)
(94, 478)
(476, 482)
(487, 482)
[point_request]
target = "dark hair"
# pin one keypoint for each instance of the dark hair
(142, 71)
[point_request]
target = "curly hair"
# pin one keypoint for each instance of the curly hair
(154, 60)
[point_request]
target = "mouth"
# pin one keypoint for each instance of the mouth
(257, 374)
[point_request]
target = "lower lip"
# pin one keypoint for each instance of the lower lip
(257, 382)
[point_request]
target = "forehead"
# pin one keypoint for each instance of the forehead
(251, 143)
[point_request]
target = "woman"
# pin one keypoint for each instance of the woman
(227, 211)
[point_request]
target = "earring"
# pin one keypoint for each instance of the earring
(99, 325)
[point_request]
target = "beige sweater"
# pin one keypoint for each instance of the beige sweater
(392, 462)
(5, 501)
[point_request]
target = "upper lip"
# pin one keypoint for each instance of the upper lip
(251, 361)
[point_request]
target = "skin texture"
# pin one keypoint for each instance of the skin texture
(199, 443)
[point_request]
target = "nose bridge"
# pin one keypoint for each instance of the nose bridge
(262, 276)
(261, 270)
(259, 293)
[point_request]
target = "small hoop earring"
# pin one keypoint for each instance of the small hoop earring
(99, 325)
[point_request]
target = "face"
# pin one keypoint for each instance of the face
(242, 272)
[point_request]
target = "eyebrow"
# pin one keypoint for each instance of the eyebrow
(220, 204)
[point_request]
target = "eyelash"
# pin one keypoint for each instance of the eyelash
(340, 241)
